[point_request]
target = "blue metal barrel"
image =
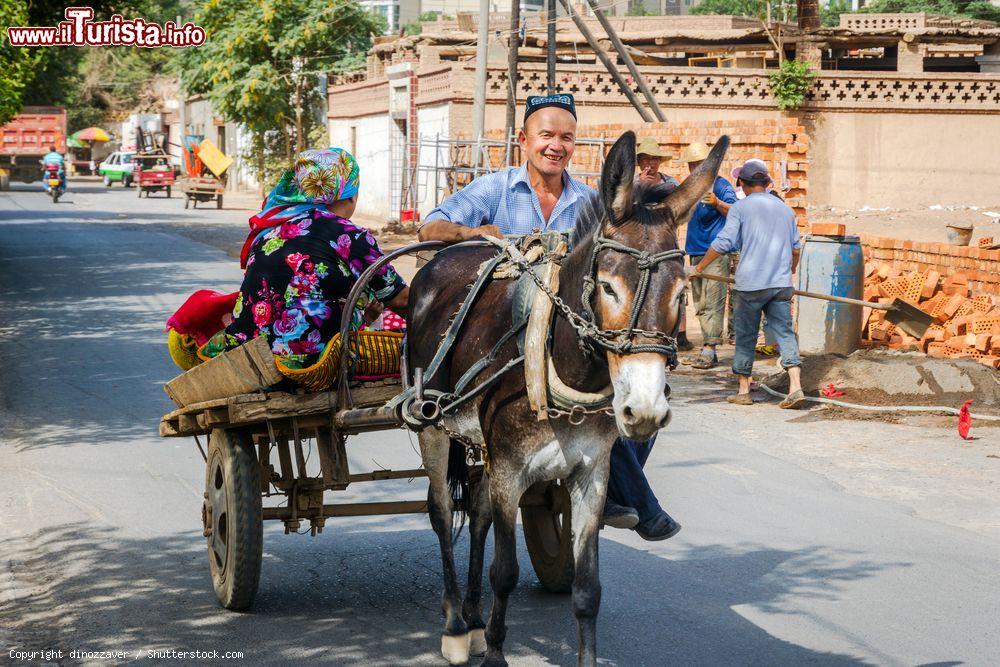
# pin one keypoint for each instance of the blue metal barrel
(830, 265)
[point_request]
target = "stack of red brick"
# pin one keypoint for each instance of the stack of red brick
(964, 326)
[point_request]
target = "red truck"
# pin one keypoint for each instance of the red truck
(26, 138)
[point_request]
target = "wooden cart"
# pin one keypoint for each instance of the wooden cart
(202, 189)
(255, 451)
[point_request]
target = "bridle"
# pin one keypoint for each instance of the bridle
(622, 341)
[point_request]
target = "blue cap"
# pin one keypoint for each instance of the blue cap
(536, 102)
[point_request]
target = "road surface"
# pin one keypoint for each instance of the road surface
(805, 541)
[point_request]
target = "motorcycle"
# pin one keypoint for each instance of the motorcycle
(53, 181)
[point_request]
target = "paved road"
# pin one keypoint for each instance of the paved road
(789, 555)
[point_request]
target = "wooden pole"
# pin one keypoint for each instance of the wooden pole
(513, 42)
(603, 57)
(627, 59)
(550, 49)
(479, 95)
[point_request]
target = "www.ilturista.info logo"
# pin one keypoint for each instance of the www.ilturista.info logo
(79, 30)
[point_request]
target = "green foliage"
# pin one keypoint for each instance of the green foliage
(17, 65)
(260, 62)
(752, 8)
(977, 9)
(790, 83)
(830, 13)
(96, 85)
(638, 8)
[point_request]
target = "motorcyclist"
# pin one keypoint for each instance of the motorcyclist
(55, 157)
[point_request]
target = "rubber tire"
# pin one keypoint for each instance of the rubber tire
(235, 582)
(168, 192)
(549, 540)
(127, 181)
(218, 202)
(55, 195)
(187, 201)
(4, 182)
(107, 181)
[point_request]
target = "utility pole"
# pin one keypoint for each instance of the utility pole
(550, 50)
(513, 44)
(479, 94)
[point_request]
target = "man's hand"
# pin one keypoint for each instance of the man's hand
(482, 230)
(692, 271)
(711, 199)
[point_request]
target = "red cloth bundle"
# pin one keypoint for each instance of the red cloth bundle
(201, 315)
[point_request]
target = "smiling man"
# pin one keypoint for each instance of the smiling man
(540, 195)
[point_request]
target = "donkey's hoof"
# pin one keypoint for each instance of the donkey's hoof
(455, 649)
(477, 642)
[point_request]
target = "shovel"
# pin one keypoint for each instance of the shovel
(904, 315)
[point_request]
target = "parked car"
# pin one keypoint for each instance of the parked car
(117, 167)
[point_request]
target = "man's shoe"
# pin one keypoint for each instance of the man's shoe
(683, 344)
(660, 527)
(619, 516)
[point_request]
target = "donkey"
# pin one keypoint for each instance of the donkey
(522, 450)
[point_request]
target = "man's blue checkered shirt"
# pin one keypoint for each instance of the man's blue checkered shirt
(505, 199)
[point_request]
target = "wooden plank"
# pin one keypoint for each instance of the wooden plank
(377, 475)
(255, 408)
(355, 509)
(248, 368)
(333, 457)
(168, 429)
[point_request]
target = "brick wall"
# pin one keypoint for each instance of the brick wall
(982, 266)
(782, 143)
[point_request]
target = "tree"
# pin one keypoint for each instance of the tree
(17, 65)
(260, 62)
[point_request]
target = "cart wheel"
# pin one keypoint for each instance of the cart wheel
(187, 200)
(232, 518)
(168, 192)
(548, 535)
(218, 202)
(139, 192)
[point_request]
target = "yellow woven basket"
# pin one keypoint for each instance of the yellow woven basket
(380, 353)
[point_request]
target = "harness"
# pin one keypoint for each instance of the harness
(538, 287)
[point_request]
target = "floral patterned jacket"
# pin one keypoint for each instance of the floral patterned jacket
(297, 279)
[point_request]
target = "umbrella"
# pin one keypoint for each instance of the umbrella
(91, 134)
(75, 143)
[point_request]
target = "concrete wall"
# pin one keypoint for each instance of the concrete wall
(903, 160)
(432, 122)
(368, 136)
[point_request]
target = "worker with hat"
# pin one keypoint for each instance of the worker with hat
(707, 220)
(649, 156)
(540, 195)
(763, 230)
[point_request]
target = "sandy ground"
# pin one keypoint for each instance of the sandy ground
(923, 224)
(806, 540)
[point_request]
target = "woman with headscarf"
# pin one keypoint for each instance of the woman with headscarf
(302, 257)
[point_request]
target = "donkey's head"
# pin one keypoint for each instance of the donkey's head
(643, 218)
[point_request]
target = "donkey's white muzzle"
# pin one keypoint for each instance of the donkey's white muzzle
(641, 404)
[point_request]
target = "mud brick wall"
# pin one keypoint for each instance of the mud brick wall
(782, 143)
(981, 266)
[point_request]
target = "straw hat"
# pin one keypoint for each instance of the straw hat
(648, 146)
(695, 152)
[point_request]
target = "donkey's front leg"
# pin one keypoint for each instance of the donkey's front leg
(504, 497)
(587, 487)
(434, 447)
(480, 520)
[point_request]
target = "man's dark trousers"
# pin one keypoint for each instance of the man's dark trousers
(627, 485)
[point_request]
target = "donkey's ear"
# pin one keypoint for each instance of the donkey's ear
(682, 200)
(617, 178)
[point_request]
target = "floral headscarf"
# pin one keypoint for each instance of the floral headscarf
(320, 177)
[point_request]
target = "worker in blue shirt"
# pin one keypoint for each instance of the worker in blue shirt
(706, 222)
(540, 195)
(55, 157)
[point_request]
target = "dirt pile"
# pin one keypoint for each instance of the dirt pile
(884, 377)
